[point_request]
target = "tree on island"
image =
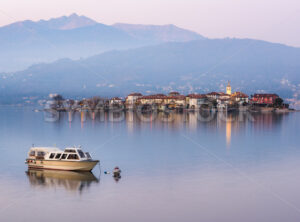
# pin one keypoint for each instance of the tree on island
(58, 100)
(278, 102)
(95, 102)
(57, 97)
(214, 103)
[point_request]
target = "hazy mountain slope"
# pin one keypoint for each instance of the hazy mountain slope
(159, 33)
(197, 66)
(25, 43)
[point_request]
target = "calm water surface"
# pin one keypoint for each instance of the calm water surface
(174, 168)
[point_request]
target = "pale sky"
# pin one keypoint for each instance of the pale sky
(271, 20)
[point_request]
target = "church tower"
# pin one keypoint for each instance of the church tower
(228, 88)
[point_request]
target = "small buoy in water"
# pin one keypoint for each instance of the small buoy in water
(117, 172)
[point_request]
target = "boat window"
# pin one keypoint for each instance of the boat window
(40, 153)
(52, 155)
(64, 156)
(73, 157)
(58, 156)
(81, 154)
(32, 153)
(70, 151)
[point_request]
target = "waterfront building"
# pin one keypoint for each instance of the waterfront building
(213, 95)
(152, 99)
(240, 97)
(263, 98)
(222, 103)
(194, 101)
(175, 100)
(115, 101)
(224, 96)
(218, 95)
(132, 98)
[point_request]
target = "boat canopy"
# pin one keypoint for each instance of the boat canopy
(45, 149)
(54, 153)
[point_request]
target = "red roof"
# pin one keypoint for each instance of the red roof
(156, 96)
(256, 95)
(180, 97)
(264, 98)
(162, 96)
(197, 96)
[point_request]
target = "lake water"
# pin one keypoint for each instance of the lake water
(174, 168)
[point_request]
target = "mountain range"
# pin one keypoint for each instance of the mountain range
(25, 43)
(144, 58)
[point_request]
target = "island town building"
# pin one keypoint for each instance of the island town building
(222, 99)
(222, 103)
(132, 98)
(213, 95)
(115, 101)
(224, 96)
(173, 100)
(264, 99)
(195, 101)
(240, 97)
(218, 95)
(156, 99)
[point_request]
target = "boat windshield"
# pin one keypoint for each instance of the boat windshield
(81, 154)
(73, 157)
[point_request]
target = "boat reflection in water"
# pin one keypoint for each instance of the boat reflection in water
(68, 180)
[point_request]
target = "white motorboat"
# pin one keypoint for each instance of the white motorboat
(52, 158)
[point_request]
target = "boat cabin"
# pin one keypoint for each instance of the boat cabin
(51, 153)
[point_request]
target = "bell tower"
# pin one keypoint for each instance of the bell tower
(228, 88)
